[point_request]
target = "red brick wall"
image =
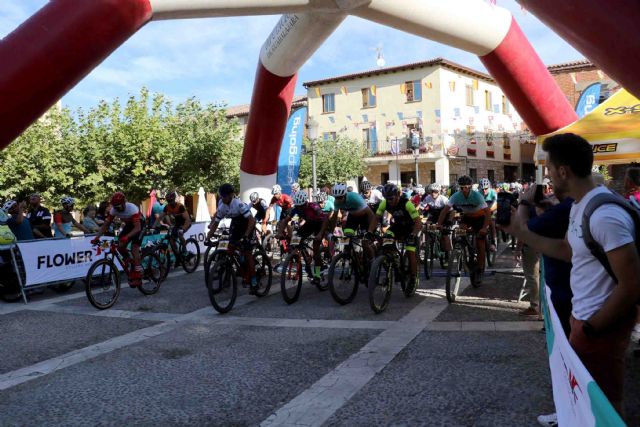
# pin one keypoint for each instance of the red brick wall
(564, 80)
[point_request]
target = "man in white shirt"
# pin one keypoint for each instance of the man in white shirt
(603, 311)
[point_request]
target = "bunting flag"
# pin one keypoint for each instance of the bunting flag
(318, 94)
(373, 90)
(428, 85)
(452, 86)
(600, 74)
(403, 88)
(332, 119)
(475, 84)
(365, 118)
(344, 90)
(383, 114)
(437, 112)
(419, 113)
(476, 109)
(573, 78)
(456, 112)
(400, 116)
(349, 117)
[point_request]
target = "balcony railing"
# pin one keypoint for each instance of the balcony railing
(400, 147)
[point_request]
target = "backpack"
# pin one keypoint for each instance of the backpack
(596, 249)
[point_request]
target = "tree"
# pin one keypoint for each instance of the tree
(336, 160)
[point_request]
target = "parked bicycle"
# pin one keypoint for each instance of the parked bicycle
(226, 264)
(102, 283)
(300, 250)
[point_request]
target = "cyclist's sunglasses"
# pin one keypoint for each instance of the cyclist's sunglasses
(119, 207)
(465, 186)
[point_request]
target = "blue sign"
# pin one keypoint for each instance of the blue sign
(289, 160)
(589, 100)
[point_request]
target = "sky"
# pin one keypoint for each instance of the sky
(215, 59)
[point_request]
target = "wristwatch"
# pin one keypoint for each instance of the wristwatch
(588, 329)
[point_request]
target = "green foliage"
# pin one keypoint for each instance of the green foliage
(145, 144)
(336, 160)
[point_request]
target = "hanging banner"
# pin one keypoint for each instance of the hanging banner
(589, 99)
(578, 399)
(289, 160)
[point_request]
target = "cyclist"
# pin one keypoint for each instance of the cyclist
(285, 203)
(359, 215)
(417, 195)
(63, 219)
(329, 200)
(406, 223)
(491, 197)
(181, 219)
(475, 214)
(262, 209)
(433, 202)
(371, 195)
(132, 232)
(295, 187)
(18, 222)
(314, 222)
(241, 230)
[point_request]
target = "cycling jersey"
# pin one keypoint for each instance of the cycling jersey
(310, 212)
(234, 210)
(329, 205)
(285, 202)
(491, 197)
(403, 212)
(261, 208)
(65, 219)
(473, 205)
(438, 203)
(352, 203)
(176, 212)
(130, 215)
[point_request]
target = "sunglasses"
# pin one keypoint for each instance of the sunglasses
(465, 186)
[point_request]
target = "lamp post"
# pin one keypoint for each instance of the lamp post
(312, 133)
(416, 154)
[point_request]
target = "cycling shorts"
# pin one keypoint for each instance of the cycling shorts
(475, 222)
(175, 231)
(309, 228)
(355, 222)
(137, 239)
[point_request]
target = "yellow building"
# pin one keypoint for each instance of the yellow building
(444, 118)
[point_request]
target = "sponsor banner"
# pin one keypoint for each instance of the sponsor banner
(589, 99)
(289, 160)
(578, 399)
(57, 259)
(198, 231)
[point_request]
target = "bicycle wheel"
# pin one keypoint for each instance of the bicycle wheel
(454, 274)
(102, 284)
(491, 255)
(153, 274)
(471, 264)
(343, 279)
(291, 277)
(381, 283)
(222, 285)
(263, 267)
(63, 287)
(190, 255)
(429, 255)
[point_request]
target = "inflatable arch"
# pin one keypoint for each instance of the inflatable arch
(55, 48)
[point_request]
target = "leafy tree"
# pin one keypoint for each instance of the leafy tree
(336, 160)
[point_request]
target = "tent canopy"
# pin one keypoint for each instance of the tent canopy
(612, 128)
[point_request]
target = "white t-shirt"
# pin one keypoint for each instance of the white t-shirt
(375, 197)
(612, 228)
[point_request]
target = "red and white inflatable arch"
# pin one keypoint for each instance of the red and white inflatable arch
(54, 49)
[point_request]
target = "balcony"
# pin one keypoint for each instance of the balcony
(401, 148)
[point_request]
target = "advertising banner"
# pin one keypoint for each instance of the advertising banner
(589, 99)
(289, 160)
(578, 399)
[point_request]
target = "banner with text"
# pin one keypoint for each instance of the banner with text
(289, 160)
(578, 399)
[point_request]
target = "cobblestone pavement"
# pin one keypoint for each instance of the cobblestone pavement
(170, 359)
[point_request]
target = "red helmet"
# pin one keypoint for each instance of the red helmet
(118, 198)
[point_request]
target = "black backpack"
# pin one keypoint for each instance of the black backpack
(596, 249)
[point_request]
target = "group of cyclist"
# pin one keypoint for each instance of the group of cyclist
(396, 212)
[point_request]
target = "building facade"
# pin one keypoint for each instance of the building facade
(436, 117)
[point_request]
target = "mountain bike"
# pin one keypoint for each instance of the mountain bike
(187, 255)
(348, 268)
(229, 263)
(432, 250)
(102, 282)
(389, 266)
(463, 258)
(300, 250)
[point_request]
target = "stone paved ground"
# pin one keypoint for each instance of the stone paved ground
(170, 359)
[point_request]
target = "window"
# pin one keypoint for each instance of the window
(433, 175)
(329, 103)
(487, 100)
(491, 175)
(370, 140)
(368, 98)
(469, 95)
(414, 91)
(329, 136)
(505, 105)
(473, 173)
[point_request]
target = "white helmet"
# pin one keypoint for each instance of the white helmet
(435, 187)
(300, 198)
(295, 187)
(276, 189)
(67, 201)
(339, 190)
(254, 197)
(8, 205)
(419, 189)
(485, 183)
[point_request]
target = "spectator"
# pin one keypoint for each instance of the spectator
(39, 218)
(157, 210)
(89, 219)
(19, 225)
(604, 312)
(632, 193)
(63, 219)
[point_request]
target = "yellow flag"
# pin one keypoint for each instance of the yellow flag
(373, 90)
(344, 90)
(428, 85)
(403, 88)
(475, 84)
(573, 78)
(452, 86)
(318, 92)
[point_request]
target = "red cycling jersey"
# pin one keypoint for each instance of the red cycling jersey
(130, 214)
(285, 202)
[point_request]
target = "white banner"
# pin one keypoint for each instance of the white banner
(198, 231)
(57, 259)
(578, 399)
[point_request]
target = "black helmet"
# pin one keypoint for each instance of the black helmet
(365, 186)
(225, 190)
(390, 190)
(465, 180)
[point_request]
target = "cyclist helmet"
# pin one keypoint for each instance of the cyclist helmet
(390, 190)
(365, 186)
(254, 197)
(276, 189)
(321, 197)
(295, 187)
(339, 190)
(435, 187)
(454, 188)
(225, 190)
(485, 184)
(8, 205)
(118, 198)
(465, 180)
(419, 189)
(171, 196)
(300, 198)
(67, 201)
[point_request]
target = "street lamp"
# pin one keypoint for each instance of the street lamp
(416, 154)
(415, 145)
(312, 133)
